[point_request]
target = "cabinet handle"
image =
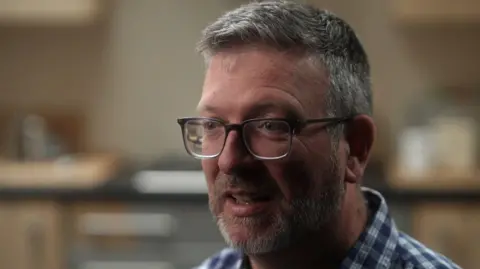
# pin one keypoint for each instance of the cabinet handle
(126, 265)
(128, 224)
(36, 245)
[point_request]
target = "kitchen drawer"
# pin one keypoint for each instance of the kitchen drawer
(194, 223)
(93, 264)
(133, 265)
(106, 233)
(175, 253)
(145, 221)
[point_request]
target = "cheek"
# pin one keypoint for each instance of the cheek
(305, 168)
(210, 169)
(292, 177)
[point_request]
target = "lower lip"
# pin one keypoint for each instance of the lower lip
(245, 210)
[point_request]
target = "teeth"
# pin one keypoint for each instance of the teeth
(242, 200)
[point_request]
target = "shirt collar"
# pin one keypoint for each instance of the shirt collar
(376, 244)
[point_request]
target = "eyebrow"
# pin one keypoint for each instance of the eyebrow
(261, 107)
(274, 106)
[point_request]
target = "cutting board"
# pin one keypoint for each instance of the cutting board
(81, 171)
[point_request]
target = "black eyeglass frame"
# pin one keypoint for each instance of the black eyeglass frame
(296, 126)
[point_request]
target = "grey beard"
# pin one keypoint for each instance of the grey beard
(276, 238)
(309, 214)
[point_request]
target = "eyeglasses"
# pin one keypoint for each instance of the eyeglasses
(265, 139)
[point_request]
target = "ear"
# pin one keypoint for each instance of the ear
(359, 137)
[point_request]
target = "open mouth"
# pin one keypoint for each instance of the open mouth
(249, 199)
(248, 204)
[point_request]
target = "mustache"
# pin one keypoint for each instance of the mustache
(251, 181)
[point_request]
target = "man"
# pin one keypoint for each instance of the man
(284, 136)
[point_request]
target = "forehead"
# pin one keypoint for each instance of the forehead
(239, 81)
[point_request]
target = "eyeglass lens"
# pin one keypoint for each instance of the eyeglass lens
(264, 138)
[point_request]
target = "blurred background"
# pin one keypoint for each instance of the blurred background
(93, 172)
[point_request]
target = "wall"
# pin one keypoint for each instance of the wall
(138, 71)
(407, 61)
(56, 67)
(154, 75)
(133, 74)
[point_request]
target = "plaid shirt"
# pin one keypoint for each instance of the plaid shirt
(381, 245)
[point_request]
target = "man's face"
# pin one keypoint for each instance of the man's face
(261, 206)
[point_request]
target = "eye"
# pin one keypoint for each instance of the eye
(211, 125)
(274, 126)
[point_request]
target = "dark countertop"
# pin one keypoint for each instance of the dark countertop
(120, 188)
(131, 195)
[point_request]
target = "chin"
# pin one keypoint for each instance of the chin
(243, 229)
(254, 235)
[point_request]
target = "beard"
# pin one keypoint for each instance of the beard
(290, 222)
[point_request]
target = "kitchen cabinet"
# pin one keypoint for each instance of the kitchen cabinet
(436, 11)
(451, 229)
(30, 235)
(140, 235)
(49, 12)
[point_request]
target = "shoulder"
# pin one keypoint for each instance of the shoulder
(414, 255)
(225, 259)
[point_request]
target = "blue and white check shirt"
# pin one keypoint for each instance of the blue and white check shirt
(380, 246)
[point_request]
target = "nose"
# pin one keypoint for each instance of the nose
(234, 154)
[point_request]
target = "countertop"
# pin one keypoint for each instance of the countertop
(124, 187)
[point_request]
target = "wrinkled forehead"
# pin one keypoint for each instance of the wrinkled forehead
(246, 82)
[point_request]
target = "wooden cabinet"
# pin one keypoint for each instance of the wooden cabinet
(451, 229)
(436, 11)
(83, 230)
(160, 234)
(49, 11)
(30, 235)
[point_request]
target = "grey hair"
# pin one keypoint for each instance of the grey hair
(327, 41)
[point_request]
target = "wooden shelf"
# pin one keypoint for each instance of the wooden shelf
(82, 172)
(436, 11)
(436, 180)
(49, 12)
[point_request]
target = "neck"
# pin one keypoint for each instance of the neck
(325, 249)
